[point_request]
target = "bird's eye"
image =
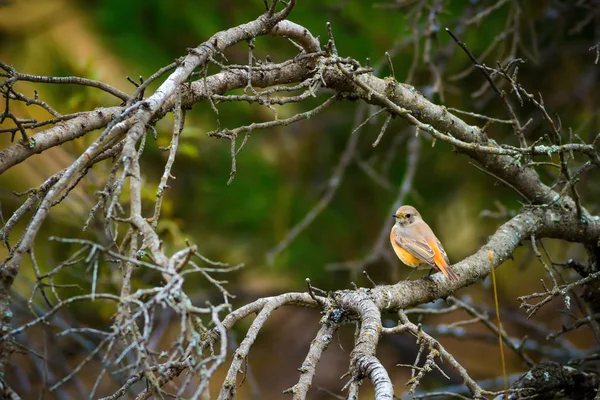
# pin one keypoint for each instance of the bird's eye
(407, 215)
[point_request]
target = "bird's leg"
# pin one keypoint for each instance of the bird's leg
(428, 276)
(409, 275)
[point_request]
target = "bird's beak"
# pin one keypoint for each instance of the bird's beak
(395, 215)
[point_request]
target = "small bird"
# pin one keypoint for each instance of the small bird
(415, 243)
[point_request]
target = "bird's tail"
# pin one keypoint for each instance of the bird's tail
(448, 273)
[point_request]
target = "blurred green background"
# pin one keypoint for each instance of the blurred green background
(283, 172)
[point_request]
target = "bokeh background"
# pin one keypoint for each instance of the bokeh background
(283, 172)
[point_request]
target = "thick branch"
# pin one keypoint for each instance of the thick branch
(551, 380)
(216, 84)
(363, 362)
(407, 102)
(61, 133)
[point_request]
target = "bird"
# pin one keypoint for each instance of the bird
(416, 245)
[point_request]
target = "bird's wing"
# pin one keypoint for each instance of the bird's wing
(442, 262)
(443, 252)
(418, 248)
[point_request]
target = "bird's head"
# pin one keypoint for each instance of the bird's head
(406, 215)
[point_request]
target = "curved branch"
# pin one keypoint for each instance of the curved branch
(363, 362)
(298, 33)
(266, 307)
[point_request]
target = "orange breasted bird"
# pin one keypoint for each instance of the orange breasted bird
(416, 245)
